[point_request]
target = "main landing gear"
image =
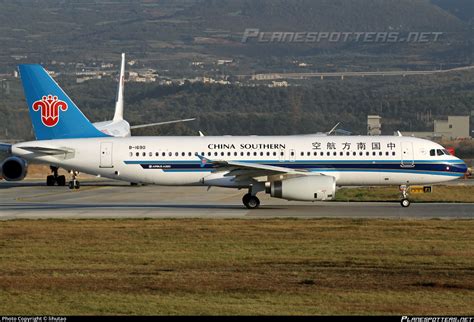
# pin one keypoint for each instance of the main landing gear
(404, 191)
(251, 202)
(74, 184)
(55, 178)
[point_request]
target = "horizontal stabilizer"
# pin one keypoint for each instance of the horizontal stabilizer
(133, 127)
(46, 150)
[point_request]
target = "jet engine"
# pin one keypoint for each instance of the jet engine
(13, 169)
(305, 188)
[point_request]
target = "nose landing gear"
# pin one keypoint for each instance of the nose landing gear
(74, 184)
(404, 191)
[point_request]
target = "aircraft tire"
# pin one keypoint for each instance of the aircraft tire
(50, 180)
(405, 203)
(251, 202)
(61, 180)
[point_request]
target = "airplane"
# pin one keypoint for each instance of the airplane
(117, 127)
(296, 167)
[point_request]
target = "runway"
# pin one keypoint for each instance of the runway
(110, 199)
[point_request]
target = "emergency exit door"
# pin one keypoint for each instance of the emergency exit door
(106, 160)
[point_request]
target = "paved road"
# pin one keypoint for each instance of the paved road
(108, 199)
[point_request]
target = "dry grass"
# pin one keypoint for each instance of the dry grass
(199, 266)
(391, 193)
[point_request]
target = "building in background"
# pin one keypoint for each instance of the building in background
(452, 128)
(374, 125)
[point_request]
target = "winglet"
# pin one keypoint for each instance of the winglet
(204, 160)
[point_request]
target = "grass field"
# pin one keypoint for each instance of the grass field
(390, 193)
(200, 266)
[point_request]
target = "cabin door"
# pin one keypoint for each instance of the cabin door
(106, 155)
(407, 155)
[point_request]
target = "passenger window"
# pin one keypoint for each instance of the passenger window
(321, 154)
(241, 154)
(367, 153)
(138, 154)
(216, 154)
(170, 153)
(348, 153)
(131, 154)
(393, 153)
(255, 154)
(328, 153)
(176, 154)
(163, 154)
(274, 154)
(144, 153)
(292, 154)
(373, 153)
(341, 153)
(302, 153)
(361, 153)
(183, 154)
(235, 154)
(354, 153)
(335, 153)
(386, 153)
(380, 153)
(261, 154)
(222, 154)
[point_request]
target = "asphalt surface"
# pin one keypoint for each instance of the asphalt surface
(109, 199)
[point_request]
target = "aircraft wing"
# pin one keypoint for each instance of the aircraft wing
(133, 127)
(249, 170)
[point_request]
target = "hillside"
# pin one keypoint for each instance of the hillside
(405, 103)
(168, 34)
(322, 15)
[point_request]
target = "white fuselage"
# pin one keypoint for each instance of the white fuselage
(352, 160)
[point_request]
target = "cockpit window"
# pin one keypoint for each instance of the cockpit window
(446, 152)
(432, 152)
(440, 152)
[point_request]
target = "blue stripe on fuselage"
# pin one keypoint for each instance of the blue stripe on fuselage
(451, 167)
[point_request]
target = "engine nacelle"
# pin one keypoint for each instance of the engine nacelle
(307, 188)
(13, 169)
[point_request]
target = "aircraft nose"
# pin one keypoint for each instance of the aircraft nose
(460, 166)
